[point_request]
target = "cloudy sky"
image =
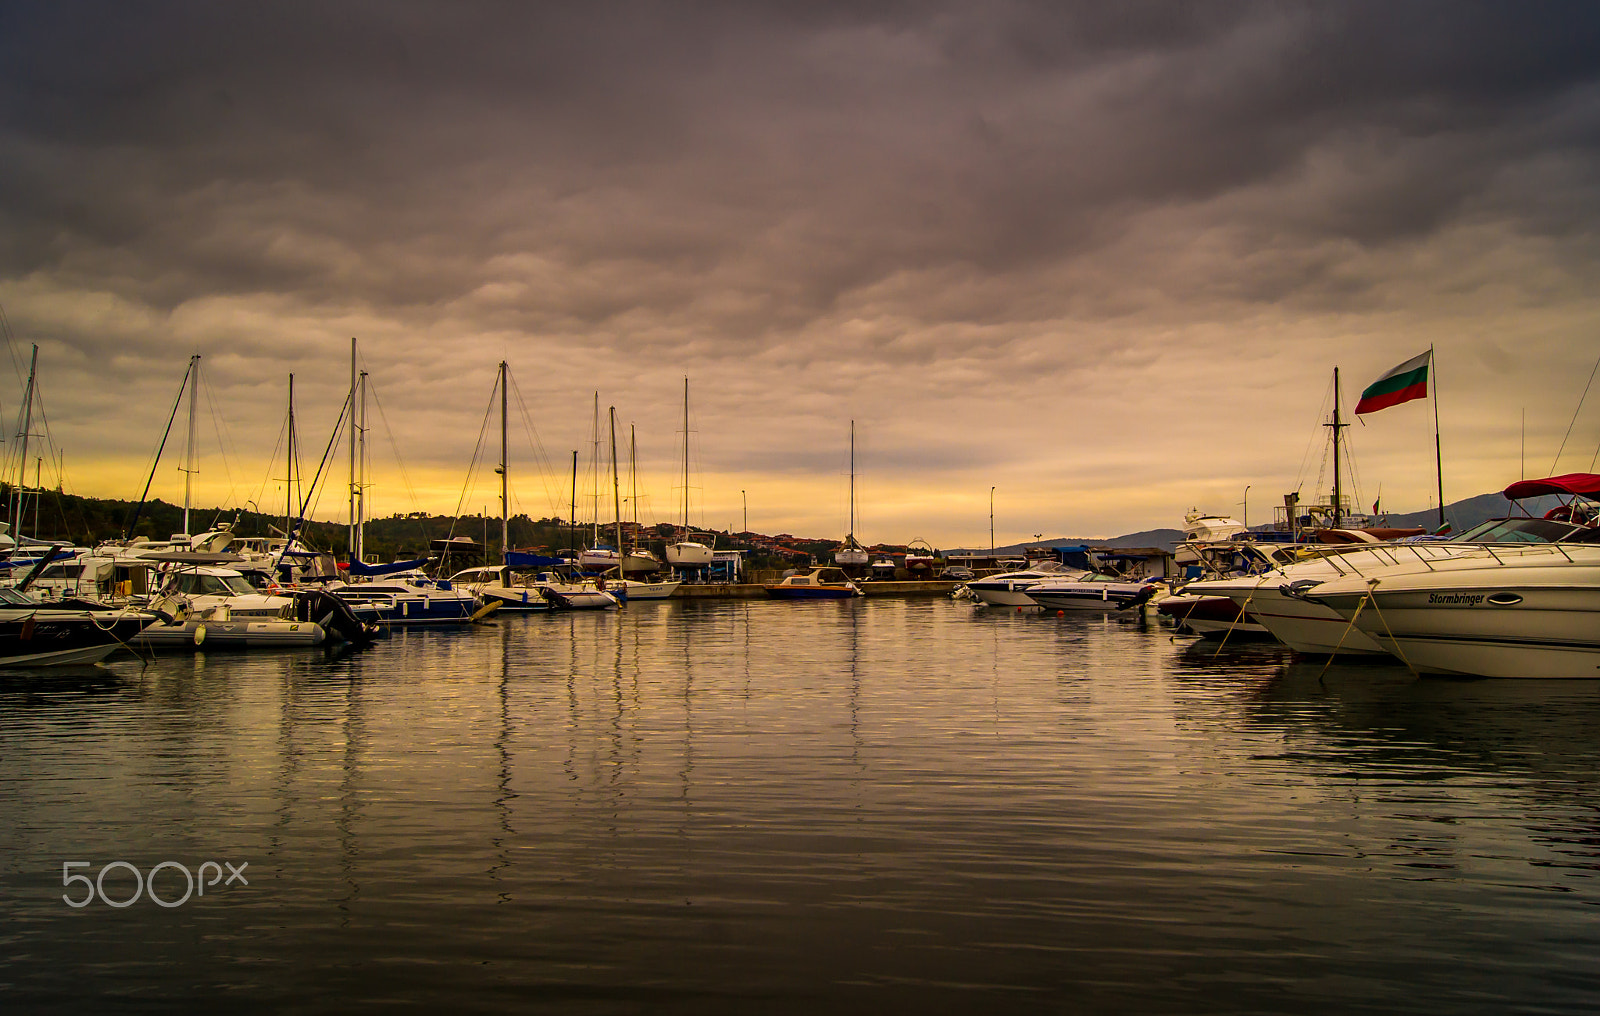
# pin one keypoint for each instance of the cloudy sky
(1102, 258)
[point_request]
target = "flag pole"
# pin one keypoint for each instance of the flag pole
(1438, 455)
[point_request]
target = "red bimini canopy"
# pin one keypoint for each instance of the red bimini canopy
(1583, 484)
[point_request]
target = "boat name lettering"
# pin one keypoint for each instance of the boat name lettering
(1469, 599)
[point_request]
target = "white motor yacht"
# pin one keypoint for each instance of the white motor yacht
(1276, 598)
(1495, 611)
(1010, 589)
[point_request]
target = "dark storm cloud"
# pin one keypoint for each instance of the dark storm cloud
(827, 147)
(929, 204)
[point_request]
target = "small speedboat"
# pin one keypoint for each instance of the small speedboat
(819, 584)
(1092, 592)
(35, 635)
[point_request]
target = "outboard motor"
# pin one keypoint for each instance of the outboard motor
(335, 617)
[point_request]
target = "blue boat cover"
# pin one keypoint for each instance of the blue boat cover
(357, 568)
(523, 559)
(29, 562)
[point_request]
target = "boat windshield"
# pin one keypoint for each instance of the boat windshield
(12, 596)
(212, 585)
(1518, 531)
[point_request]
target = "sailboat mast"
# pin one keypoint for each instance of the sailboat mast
(633, 474)
(616, 489)
(572, 512)
(686, 455)
(594, 472)
(852, 478)
(288, 472)
(354, 380)
(361, 473)
(22, 461)
(505, 514)
(189, 470)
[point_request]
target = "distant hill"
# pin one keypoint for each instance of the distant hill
(1465, 514)
(1462, 515)
(1163, 538)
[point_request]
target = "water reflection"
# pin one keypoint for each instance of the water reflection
(758, 806)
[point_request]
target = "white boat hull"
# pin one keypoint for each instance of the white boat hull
(580, 599)
(1003, 597)
(689, 555)
(648, 590)
(1495, 618)
(63, 657)
(641, 562)
(1307, 627)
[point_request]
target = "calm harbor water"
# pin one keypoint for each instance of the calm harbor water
(834, 807)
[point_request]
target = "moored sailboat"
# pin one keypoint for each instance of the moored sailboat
(851, 554)
(689, 549)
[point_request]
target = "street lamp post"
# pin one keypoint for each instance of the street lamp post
(991, 522)
(1247, 506)
(746, 502)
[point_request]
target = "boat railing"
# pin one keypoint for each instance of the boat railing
(1430, 555)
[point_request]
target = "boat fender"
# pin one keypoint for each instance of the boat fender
(199, 634)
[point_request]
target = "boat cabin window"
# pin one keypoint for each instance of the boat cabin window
(62, 571)
(8, 595)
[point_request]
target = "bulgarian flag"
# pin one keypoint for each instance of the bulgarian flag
(1402, 384)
